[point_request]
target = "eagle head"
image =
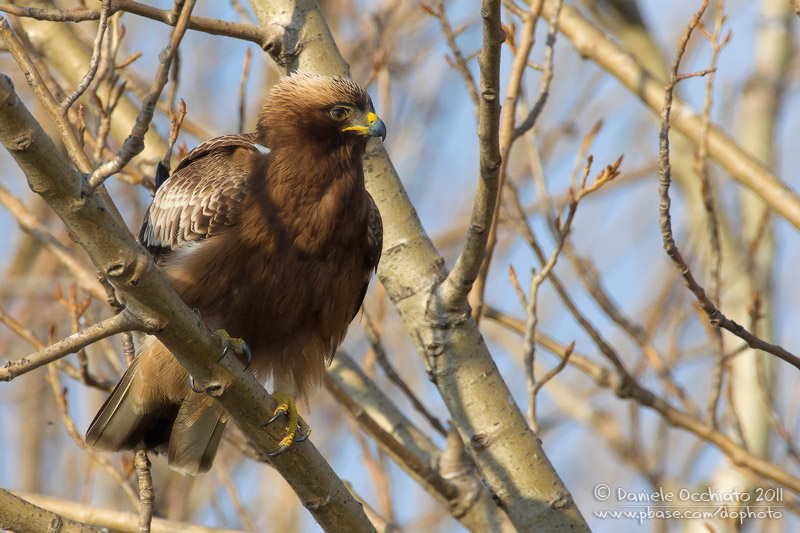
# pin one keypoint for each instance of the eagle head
(326, 111)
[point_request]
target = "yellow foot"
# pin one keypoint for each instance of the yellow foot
(239, 346)
(286, 406)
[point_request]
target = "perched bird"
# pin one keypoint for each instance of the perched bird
(273, 238)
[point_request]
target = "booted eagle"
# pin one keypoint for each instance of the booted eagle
(273, 238)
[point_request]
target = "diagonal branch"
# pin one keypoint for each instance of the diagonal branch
(715, 316)
(591, 42)
(94, 63)
(114, 520)
(264, 37)
(134, 144)
(65, 130)
(28, 222)
(148, 294)
(118, 323)
(463, 494)
(507, 453)
(22, 516)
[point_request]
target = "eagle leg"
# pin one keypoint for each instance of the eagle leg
(239, 346)
(286, 406)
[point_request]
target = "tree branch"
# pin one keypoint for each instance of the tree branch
(148, 294)
(264, 37)
(591, 42)
(118, 323)
(458, 283)
(134, 144)
(715, 316)
(507, 452)
(21, 516)
(463, 495)
(115, 520)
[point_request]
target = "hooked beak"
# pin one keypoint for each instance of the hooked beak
(374, 128)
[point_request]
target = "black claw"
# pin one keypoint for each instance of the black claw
(249, 355)
(277, 415)
(279, 451)
(303, 437)
(191, 385)
(225, 347)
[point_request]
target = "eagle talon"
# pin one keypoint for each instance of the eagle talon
(281, 410)
(279, 451)
(286, 406)
(191, 385)
(225, 347)
(240, 347)
(303, 437)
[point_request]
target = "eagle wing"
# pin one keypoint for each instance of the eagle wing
(373, 250)
(202, 197)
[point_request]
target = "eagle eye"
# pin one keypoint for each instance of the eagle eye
(339, 113)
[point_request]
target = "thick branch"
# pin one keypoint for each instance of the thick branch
(507, 452)
(149, 295)
(463, 495)
(115, 520)
(65, 129)
(21, 516)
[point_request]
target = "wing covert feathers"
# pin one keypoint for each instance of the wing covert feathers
(203, 195)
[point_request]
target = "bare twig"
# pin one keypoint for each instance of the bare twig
(546, 378)
(630, 389)
(538, 278)
(110, 326)
(715, 316)
(701, 168)
(460, 62)
(591, 42)
(264, 37)
(593, 284)
(394, 377)
(242, 87)
(547, 74)
(146, 494)
(94, 63)
(176, 121)
(134, 144)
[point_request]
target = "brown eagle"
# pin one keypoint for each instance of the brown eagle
(273, 238)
